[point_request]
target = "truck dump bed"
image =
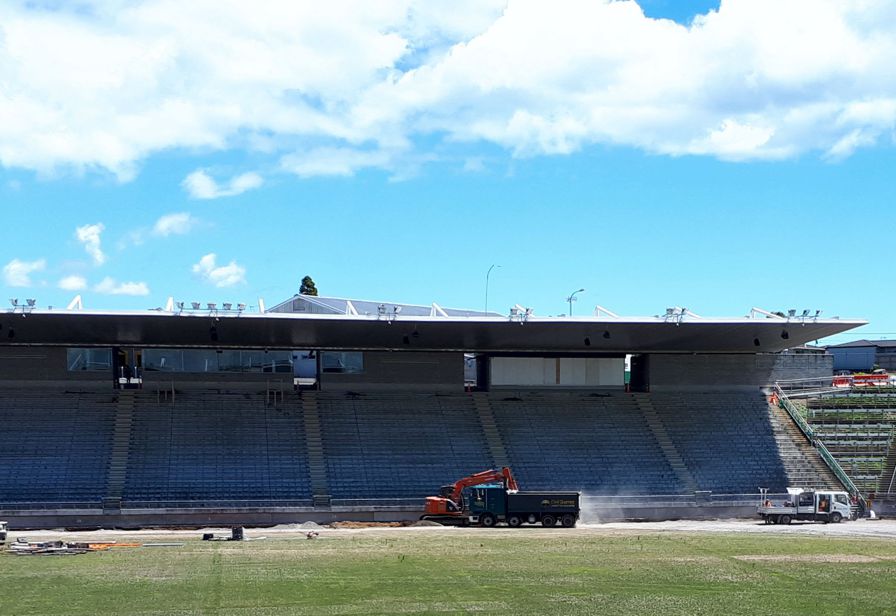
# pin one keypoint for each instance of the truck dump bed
(545, 502)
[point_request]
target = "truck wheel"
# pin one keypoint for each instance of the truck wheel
(568, 520)
(785, 519)
(836, 517)
(548, 520)
(488, 520)
(514, 521)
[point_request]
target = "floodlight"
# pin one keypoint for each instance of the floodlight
(228, 306)
(31, 302)
(396, 309)
(180, 305)
(805, 313)
(670, 312)
(241, 307)
(196, 305)
(817, 313)
(514, 311)
(212, 305)
(791, 313)
(381, 309)
(14, 301)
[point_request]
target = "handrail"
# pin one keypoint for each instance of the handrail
(819, 446)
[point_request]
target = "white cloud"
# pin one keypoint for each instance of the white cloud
(330, 88)
(201, 185)
(109, 286)
(223, 276)
(89, 236)
(17, 273)
(174, 224)
(73, 283)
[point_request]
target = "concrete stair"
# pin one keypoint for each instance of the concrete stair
(658, 429)
(490, 429)
(121, 446)
(314, 445)
(803, 464)
(888, 477)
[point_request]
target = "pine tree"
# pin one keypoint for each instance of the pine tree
(307, 287)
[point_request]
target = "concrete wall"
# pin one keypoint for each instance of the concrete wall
(401, 371)
(553, 372)
(45, 366)
(734, 372)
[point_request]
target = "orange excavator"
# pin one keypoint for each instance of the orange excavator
(448, 507)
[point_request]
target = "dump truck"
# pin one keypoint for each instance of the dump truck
(805, 504)
(493, 497)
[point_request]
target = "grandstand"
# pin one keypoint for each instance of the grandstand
(350, 409)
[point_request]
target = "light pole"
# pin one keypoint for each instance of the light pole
(487, 275)
(572, 298)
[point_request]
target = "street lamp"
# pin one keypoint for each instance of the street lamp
(489, 273)
(572, 298)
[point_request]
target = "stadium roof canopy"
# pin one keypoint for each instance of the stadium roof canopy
(391, 328)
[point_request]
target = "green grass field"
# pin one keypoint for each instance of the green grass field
(508, 572)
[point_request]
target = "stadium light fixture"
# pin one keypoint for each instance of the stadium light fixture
(180, 305)
(791, 313)
(31, 302)
(228, 306)
(196, 305)
(14, 301)
(572, 298)
(212, 305)
(817, 314)
(805, 313)
(241, 307)
(487, 275)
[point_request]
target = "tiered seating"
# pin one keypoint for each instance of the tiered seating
(858, 429)
(599, 444)
(54, 447)
(212, 449)
(399, 446)
(725, 439)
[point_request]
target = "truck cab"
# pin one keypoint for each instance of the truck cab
(804, 504)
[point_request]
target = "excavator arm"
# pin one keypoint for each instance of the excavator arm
(503, 475)
(451, 502)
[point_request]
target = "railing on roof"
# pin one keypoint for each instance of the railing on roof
(807, 430)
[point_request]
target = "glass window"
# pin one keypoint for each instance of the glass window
(349, 362)
(208, 360)
(229, 361)
(279, 361)
(196, 360)
(163, 360)
(90, 360)
(841, 498)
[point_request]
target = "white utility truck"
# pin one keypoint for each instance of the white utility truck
(805, 504)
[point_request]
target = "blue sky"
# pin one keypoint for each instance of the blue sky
(672, 153)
